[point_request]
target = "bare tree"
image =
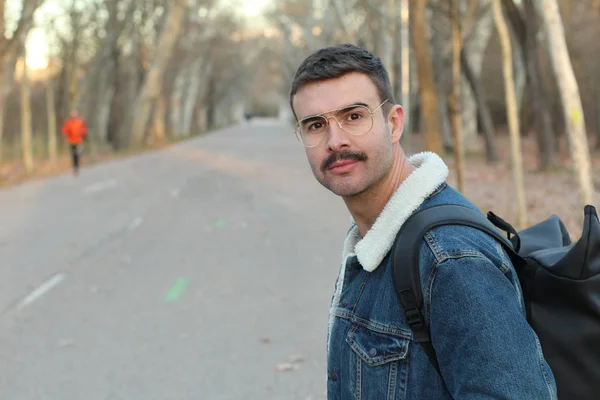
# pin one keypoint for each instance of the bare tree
(26, 131)
(340, 9)
(483, 110)
(427, 89)
(525, 28)
(406, 86)
(455, 109)
(569, 94)
(476, 32)
(513, 117)
(158, 122)
(153, 82)
(51, 115)
(9, 51)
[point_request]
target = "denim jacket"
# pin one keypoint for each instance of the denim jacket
(472, 303)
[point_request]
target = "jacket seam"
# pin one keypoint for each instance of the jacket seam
(434, 246)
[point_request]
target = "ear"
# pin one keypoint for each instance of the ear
(396, 122)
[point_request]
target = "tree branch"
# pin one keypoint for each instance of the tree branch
(11, 46)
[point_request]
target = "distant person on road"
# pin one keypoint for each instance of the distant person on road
(75, 131)
(480, 344)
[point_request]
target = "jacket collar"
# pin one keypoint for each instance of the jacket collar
(430, 173)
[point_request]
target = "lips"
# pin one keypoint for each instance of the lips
(342, 166)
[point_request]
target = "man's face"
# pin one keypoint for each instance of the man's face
(344, 163)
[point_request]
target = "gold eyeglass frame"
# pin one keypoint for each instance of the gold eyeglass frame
(336, 120)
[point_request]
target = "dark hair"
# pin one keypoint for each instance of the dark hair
(335, 61)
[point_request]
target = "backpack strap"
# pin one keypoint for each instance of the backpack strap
(405, 261)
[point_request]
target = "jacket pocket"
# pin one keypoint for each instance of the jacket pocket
(376, 348)
(379, 369)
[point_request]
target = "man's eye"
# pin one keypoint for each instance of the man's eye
(315, 126)
(354, 116)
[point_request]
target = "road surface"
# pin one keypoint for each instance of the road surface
(203, 271)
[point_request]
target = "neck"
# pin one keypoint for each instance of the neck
(366, 206)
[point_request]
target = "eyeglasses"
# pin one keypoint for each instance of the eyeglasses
(356, 119)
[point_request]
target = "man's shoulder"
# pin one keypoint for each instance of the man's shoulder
(455, 241)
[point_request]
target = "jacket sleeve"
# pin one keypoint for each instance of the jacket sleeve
(485, 347)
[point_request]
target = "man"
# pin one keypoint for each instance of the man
(350, 127)
(75, 131)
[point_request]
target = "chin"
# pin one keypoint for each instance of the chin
(346, 190)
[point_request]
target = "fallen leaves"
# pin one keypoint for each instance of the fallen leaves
(292, 365)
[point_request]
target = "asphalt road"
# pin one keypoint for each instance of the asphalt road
(203, 271)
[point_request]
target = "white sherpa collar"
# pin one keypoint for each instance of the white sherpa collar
(430, 172)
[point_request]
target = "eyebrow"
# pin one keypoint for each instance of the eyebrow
(316, 116)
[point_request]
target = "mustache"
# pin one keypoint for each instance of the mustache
(344, 155)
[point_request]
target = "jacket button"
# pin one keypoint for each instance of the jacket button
(373, 352)
(344, 303)
(333, 376)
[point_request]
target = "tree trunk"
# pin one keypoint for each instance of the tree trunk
(6, 74)
(176, 104)
(51, 115)
(10, 49)
(474, 51)
(427, 90)
(387, 16)
(543, 120)
(483, 110)
(2, 106)
(520, 75)
(153, 82)
(459, 148)
(445, 120)
(105, 97)
(105, 101)
(405, 62)
(569, 94)
(517, 23)
(61, 91)
(26, 133)
(525, 29)
(597, 108)
(160, 113)
(201, 123)
(443, 80)
(211, 117)
(397, 48)
(133, 82)
(513, 117)
(194, 80)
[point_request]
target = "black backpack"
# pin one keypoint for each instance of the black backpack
(560, 282)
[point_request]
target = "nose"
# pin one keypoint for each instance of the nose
(337, 138)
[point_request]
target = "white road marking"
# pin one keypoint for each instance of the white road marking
(135, 223)
(99, 186)
(41, 290)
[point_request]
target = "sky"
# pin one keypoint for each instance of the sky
(253, 8)
(37, 44)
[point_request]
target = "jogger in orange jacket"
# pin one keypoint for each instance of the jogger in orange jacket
(75, 130)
